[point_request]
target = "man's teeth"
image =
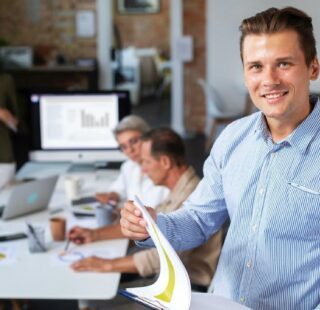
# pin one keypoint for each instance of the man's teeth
(273, 96)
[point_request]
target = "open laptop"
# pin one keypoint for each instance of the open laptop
(29, 197)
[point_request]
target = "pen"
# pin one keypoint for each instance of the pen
(33, 233)
(67, 245)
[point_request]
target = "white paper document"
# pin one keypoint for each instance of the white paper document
(78, 253)
(172, 290)
(7, 255)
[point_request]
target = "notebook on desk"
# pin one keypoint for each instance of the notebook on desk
(29, 197)
(85, 206)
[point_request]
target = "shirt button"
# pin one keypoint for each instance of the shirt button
(249, 263)
(242, 299)
(273, 155)
(254, 227)
(261, 191)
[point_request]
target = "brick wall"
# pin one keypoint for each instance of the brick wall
(145, 30)
(194, 19)
(54, 32)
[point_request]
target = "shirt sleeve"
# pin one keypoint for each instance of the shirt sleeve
(147, 262)
(119, 185)
(203, 213)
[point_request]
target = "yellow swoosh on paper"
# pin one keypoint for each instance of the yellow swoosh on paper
(167, 294)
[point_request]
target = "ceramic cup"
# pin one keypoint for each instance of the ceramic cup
(58, 228)
(73, 187)
(104, 215)
(36, 239)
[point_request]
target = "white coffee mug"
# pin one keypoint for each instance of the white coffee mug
(73, 187)
(6, 173)
(104, 215)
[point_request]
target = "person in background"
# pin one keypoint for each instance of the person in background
(263, 173)
(131, 181)
(8, 117)
(164, 161)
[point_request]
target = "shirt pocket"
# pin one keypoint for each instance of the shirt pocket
(305, 188)
(304, 203)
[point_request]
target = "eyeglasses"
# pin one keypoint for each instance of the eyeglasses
(132, 142)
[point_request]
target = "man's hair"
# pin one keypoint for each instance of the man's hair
(165, 141)
(274, 20)
(131, 122)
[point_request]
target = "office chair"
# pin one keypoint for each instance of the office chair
(150, 79)
(215, 113)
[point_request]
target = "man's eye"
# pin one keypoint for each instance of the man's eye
(255, 67)
(283, 64)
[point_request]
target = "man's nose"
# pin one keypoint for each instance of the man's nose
(270, 77)
(130, 148)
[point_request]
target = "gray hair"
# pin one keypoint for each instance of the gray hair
(132, 122)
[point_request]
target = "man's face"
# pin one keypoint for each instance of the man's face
(130, 144)
(152, 167)
(277, 76)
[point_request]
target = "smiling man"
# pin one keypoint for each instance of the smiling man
(263, 173)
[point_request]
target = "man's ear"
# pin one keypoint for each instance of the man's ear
(165, 161)
(314, 69)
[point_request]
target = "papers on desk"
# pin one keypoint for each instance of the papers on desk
(7, 255)
(172, 290)
(85, 206)
(78, 253)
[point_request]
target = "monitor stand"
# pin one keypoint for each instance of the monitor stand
(87, 167)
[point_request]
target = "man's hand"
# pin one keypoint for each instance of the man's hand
(79, 235)
(133, 226)
(93, 263)
(111, 198)
(7, 118)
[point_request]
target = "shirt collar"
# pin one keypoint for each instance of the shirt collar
(305, 132)
(302, 135)
(182, 182)
(261, 127)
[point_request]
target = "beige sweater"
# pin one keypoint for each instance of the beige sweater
(200, 262)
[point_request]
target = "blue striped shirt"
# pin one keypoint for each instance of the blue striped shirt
(271, 192)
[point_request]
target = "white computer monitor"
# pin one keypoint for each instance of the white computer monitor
(77, 126)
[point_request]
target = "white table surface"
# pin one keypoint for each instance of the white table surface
(37, 275)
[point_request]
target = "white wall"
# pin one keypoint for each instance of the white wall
(104, 39)
(224, 70)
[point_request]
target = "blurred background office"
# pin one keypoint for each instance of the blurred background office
(156, 49)
(178, 59)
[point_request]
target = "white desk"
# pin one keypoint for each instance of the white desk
(38, 275)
